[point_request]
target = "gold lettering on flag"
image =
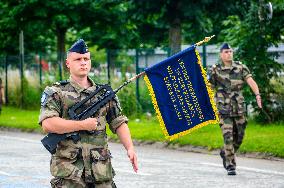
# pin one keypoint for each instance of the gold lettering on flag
(182, 94)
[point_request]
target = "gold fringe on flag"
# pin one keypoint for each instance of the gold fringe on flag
(208, 87)
(156, 107)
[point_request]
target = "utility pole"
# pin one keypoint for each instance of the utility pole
(137, 72)
(21, 47)
(108, 65)
(6, 80)
(204, 56)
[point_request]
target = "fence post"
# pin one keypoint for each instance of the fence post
(204, 62)
(146, 58)
(59, 61)
(137, 72)
(21, 42)
(40, 70)
(6, 80)
(168, 51)
(108, 65)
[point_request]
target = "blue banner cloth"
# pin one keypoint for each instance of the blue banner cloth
(181, 94)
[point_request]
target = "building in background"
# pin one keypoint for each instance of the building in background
(147, 58)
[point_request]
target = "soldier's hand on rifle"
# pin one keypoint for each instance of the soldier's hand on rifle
(89, 124)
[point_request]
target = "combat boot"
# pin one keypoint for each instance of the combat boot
(231, 170)
(222, 155)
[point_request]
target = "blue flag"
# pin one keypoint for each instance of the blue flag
(181, 94)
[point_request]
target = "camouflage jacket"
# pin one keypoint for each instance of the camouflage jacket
(90, 155)
(228, 83)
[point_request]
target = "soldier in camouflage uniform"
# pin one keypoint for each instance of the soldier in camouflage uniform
(227, 79)
(86, 163)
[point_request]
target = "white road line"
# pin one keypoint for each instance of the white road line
(132, 172)
(141, 173)
(4, 173)
(20, 139)
(261, 171)
(38, 142)
(249, 169)
(126, 171)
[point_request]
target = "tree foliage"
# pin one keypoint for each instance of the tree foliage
(111, 24)
(108, 24)
(13, 20)
(170, 23)
(104, 22)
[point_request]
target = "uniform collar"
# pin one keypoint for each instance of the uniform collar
(79, 88)
(223, 67)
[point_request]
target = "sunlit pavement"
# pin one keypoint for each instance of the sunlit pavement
(25, 163)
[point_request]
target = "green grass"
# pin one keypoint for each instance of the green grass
(258, 138)
(17, 118)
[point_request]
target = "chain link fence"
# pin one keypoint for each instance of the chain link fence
(24, 85)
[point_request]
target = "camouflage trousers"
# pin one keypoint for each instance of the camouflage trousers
(233, 129)
(78, 183)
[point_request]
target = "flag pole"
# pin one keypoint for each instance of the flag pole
(128, 81)
(206, 39)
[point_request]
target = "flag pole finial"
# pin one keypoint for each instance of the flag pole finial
(206, 39)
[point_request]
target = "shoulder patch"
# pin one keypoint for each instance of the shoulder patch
(50, 90)
(43, 99)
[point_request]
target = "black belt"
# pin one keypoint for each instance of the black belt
(95, 132)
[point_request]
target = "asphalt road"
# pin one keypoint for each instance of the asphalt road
(25, 163)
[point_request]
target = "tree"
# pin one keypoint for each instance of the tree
(169, 22)
(104, 22)
(108, 24)
(11, 23)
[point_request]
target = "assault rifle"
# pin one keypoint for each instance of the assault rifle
(106, 94)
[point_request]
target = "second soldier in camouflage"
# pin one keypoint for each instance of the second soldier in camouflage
(227, 79)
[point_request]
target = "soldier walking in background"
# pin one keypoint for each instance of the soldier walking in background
(86, 163)
(227, 79)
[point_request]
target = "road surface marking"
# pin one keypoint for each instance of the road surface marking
(20, 139)
(132, 172)
(249, 169)
(6, 174)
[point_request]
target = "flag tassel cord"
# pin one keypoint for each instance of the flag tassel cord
(206, 39)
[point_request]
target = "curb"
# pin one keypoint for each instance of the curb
(165, 145)
(200, 149)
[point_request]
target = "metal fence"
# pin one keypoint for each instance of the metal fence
(112, 66)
